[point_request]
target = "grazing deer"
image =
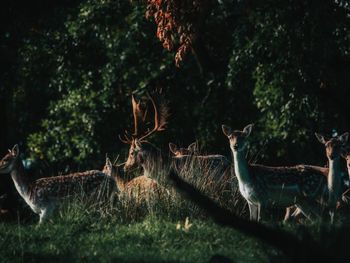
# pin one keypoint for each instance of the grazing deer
(264, 186)
(44, 194)
(139, 187)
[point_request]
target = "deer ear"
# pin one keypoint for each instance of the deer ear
(172, 147)
(192, 147)
(320, 138)
(247, 130)
(344, 138)
(226, 130)
(15, 150)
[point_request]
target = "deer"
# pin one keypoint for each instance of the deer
(44, 195)
(215, 167)
(192, 149)
(335, 186)
(334, 147)
(141, 152)
(139, 187)
(146, 155)
(346, 155)
(265, 186)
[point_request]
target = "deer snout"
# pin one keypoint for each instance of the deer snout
(235, 146)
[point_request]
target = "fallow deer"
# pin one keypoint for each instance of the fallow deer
(346, 156)
(334, 147)
(335, 187)
(141, 152)
(179, 151)
(43, 195)
(139, 188)
(264, 186)
(214, 167)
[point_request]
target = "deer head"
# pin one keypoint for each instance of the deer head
(237, 138)
(7, 162)
(334, 146)
(178, 151)
(140, 151)
(115, 171)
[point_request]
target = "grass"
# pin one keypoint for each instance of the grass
(152, 240)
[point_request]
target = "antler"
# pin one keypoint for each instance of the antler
(127, 139)
(139, 116)
(160, 117)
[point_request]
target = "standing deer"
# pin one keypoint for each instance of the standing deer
(179, 151)
(335, 186)
(334, 180)
(213, 167)
(264, 186)
(43, 195)
(346, 156)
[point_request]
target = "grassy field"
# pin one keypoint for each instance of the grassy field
(126, 232)
(152, 240)
(152, 230)
(132, 230)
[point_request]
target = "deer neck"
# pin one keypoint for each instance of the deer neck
(334, 179)
(19, 178)
(156, 161)
(121, 182)
(241, 167)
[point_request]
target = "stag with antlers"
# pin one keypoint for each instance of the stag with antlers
(141, 152)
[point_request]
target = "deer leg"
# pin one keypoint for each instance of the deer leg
(254, 212)
(331, 214)
(287, 215)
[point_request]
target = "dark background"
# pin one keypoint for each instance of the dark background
(68, 68)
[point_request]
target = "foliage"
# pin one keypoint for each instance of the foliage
(282, 66)
(91, 89)
(178, 23)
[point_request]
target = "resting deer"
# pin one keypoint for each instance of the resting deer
(44, 194)
(139, 187)
(264, 186)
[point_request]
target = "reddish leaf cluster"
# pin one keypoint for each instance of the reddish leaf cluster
(177, 22)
